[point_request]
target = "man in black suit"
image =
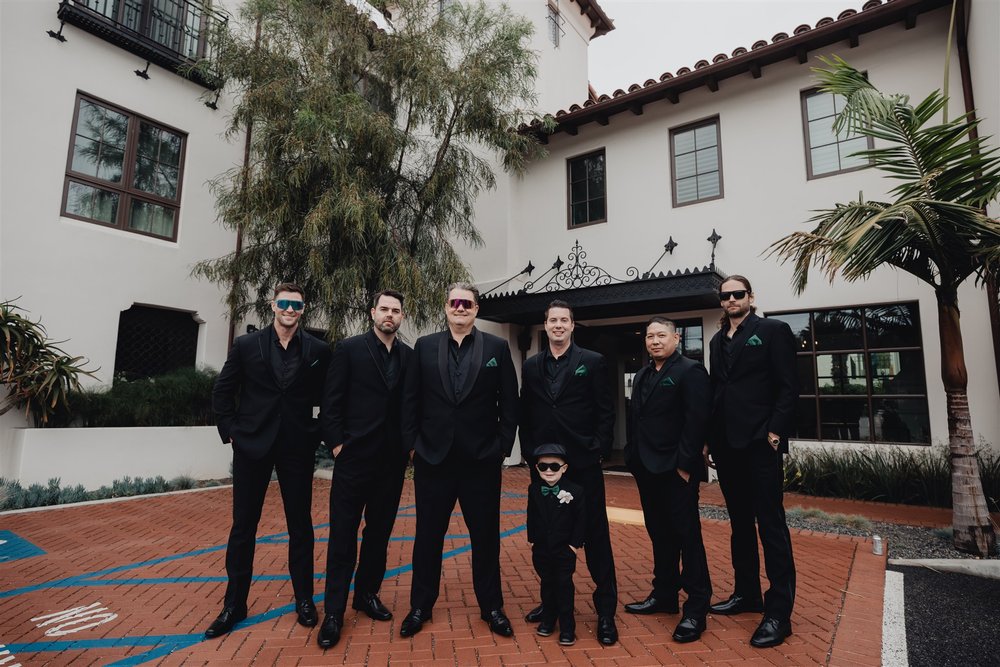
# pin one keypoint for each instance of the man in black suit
(754, 387)
(263, 401)
(667, 424)
(361, 426)
(459, 421)
(566, 398)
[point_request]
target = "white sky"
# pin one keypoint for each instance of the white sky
(656, 36)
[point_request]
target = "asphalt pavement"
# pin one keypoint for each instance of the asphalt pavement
(951, 619)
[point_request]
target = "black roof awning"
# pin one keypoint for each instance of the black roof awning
(661, 294)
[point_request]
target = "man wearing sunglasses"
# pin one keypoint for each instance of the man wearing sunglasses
(566, 398)
(263, 401)
(361, 427)
(754, 387)
(459, 421)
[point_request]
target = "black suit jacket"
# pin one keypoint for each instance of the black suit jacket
(359, 408)
(554, 524)
(667, 431)
(758, 392)
(265, 410)
(480, 423)
(581, 417)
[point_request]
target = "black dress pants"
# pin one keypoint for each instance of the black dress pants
(751, 480)
(476, 487)
(670, 512)
(555, 566)
(597, 543)
(371, 488)
(251, 478)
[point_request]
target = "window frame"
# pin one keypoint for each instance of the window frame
(555, 19)
(569, 188)
(807, 146)
(126, 192)
(870, 396)
(674, 131)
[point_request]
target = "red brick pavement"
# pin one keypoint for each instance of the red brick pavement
(164, 604)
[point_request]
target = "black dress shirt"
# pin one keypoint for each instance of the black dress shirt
(286, 360)
(459, 360)
(650, 380)
(726, 342)
(556, 369)
(387, 359)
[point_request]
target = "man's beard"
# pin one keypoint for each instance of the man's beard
(387, 327)
(740, 312)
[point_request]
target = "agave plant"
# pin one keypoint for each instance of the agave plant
(935, 228)
(37, 374)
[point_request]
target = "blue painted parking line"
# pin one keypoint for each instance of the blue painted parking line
(162, 645)
(15, 547)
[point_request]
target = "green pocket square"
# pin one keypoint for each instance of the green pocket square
(581, 370)
(754, 341)
(668, 382)
(492, 363)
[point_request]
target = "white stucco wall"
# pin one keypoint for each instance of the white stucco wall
(77, 276)
(766, 196)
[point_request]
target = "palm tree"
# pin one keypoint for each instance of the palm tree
(935, 229)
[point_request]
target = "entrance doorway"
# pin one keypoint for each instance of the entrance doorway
(624, 348)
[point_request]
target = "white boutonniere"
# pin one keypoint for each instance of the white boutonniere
(564, 496)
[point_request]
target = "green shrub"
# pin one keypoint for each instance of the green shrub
(180, 398)
(14, 497)
(910, 477)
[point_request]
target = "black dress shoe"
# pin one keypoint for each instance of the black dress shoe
(546, 628)
(329, 632)
(413, 622)
(535, 615)
(566, 638)
(306, 611)
(223, 625)
(689, 630)
(499, 623)
(737, 604)
(607, 632)
(770, 632)
(653, 605)
(372, 607)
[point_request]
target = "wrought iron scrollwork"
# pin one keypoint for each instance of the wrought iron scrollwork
(576, 273)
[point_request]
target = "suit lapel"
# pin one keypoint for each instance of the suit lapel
(474, 366)
(663, 374)
(574, 363)
(264, 345)
(740, 340)
(443, 343)
(637, 387)
(373, 353)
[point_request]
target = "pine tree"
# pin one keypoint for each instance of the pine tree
(367, 149)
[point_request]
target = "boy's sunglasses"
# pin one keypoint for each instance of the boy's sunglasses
(285, 304)
(736, 294)
(554, 467)
(463, 303)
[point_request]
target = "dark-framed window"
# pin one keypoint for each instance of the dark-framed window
(123, 170)
(555, 22)
(829, 152)
(861, 374)
(153, 341)
(696, 162)
(692, 343)
(587, 189)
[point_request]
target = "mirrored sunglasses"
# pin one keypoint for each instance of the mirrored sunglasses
(461, 303)
(285, 304)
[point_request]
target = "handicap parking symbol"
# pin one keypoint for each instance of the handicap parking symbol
(14, 547)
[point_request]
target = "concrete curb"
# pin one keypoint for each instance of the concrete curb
(977, 568)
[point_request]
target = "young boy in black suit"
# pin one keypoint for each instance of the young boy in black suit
(556, 528)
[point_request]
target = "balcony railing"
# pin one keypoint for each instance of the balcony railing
(171, 33)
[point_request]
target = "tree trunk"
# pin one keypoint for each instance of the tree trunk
(972, 531)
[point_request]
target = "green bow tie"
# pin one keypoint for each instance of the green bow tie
(549, 490)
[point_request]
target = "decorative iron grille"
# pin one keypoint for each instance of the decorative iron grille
(154, 341)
